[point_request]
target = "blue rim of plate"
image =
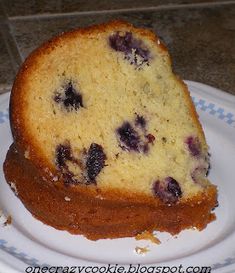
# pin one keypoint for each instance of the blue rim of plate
(204, 105)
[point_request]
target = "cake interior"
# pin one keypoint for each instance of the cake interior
(108, 111)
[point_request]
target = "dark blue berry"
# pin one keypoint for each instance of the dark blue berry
(194, 145)
(121, 43)
(95, 161)
(173, 187)
(208, 169)
(127, 44)
(168, 190)
(133, 136)
(199, 173)
(63, 153)
(216, 206)
(128, 136)
(140, 121)
(71, 99)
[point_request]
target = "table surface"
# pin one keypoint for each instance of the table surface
(199, 34)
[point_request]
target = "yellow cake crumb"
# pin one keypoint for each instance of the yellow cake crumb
(141, 250)
(8, 221)
(146, 235)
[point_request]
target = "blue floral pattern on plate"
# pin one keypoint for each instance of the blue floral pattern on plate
(4, 116)
(215, 111)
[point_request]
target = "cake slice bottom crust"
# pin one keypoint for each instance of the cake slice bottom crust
(98, 218)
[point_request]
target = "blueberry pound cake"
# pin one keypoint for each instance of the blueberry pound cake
(107, 142)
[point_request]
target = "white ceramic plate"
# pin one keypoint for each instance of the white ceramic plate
(29, 242)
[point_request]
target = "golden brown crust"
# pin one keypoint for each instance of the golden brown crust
(97, 218)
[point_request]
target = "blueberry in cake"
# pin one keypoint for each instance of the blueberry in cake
(107, 142)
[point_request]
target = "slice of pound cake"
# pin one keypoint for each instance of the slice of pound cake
(107, 142)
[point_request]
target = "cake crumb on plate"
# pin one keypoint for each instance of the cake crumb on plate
(146, 235)
(8, 221)
(141, 250)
